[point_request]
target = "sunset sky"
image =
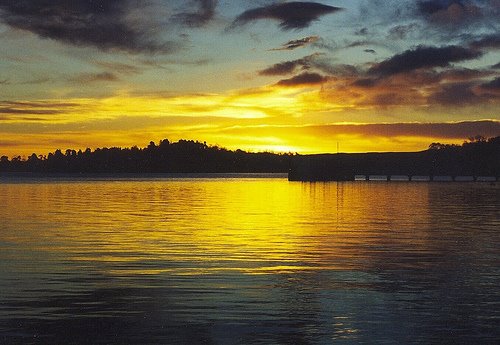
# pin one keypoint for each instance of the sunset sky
(257, 75)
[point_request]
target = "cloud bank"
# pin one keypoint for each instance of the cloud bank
(118, 25)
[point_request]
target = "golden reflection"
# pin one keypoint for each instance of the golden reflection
(211, 226)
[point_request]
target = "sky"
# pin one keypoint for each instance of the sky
(282, 76)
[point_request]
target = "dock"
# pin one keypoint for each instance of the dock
(429, 165)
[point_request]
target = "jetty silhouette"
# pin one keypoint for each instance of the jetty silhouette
(476, 160)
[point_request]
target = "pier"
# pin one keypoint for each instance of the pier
(410, 178)
(424, 166)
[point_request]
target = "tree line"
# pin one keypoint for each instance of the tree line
(184, 156)
(477, 156)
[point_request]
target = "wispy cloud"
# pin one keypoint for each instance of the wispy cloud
(318, 62)
(401, 31)
(85, 78)
(288, 67)
(204, 11)
(300, 43)
(302, 79)
(35, 108)
(118, 67)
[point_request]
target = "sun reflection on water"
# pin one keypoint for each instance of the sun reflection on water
(204, 227)
(260, 261)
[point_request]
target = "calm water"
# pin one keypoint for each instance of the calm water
(248, 261)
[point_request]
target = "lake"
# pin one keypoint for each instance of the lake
(248, 260)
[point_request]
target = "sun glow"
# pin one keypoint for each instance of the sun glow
(271, 118)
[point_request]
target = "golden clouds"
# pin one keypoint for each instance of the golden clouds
(300, 118)
(241, 104)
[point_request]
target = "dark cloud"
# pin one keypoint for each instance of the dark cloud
(492, 85)
(423, 57)
(34, 108)
(291, 15)
(442, 130)
(204, 13)
(457, 94)
(456, 130)
(22, 118)
(282, 68)
(452, 87)
(17, 111)
(104, 24)
(388, 99)
(31, 104)
(371, 51)
(462, 74)
(487, 42)
(365, 82)
(450, 12)
(434, 6)
(294, 44)
(417, 79)
(288, 67)
(317, 62)
(305, 78)
(324, 65)
(496, 66)
(423, 78)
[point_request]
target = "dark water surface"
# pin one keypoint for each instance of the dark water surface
(248, 261)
